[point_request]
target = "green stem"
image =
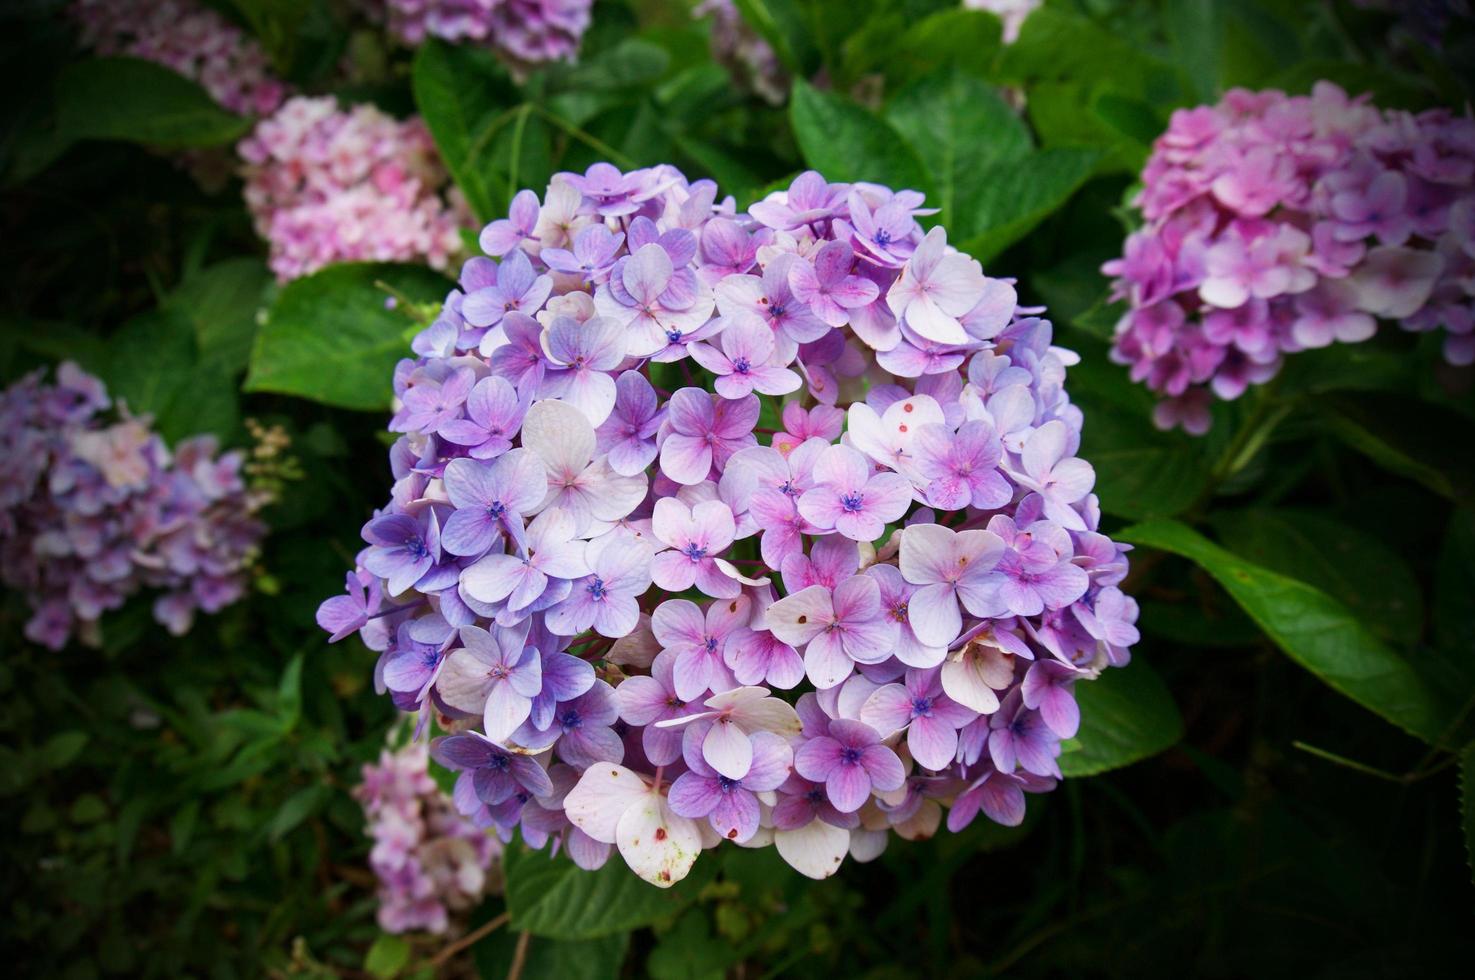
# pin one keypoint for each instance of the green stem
(1251, 437)
(594, 142)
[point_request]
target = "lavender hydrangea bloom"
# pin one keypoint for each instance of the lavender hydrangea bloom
(95, 508)
(912, 550)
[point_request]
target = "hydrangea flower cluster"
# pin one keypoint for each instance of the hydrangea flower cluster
(191, 39)
(94, 508)
(430, 860)
(1279, 223)
(657, 612)
(328, 185)
(526, 32)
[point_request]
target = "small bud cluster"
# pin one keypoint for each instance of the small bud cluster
(1276, 224)
(189, 38)
(96, 508)
(329, 185)
(750, 59)
(430, 860)
(643, 627)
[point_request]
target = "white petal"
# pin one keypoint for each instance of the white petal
(814, 850)
(604, 793)
(656, 843)
(560, 434)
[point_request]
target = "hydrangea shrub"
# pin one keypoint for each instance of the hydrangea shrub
(429, 859)
(189, 38)
(1275, 224)
(325, 184)
(760, 527)
(95, 507)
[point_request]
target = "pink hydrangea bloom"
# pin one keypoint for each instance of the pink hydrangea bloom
(326, 185)
(430, 860)
(1280, 223)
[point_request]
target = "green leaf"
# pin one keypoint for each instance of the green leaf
(1016, 195)
(631, 63)
(153, 365)
(297, 808)
(1315, 630)
(1454, 586)
(959, 126)
(289, 694)
(58, 751)
(466, 100)
(966, 39)
(553, 897)
(138, 101)
(1344, 562)
(329, 337)
(845, 142)
(387, 956)
(1058, 45)
(222, 302)
(1408, 437)
(564, 959)
(1127, 714)
(689, 951)
(1141, 472)
(57, 341)
(781, 24)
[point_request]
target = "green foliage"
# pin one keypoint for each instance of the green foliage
(1314, 629)
(554, 898)
(155, 365)
(332, 337)
(140, 102)
(462, 92)
(1126, 715)
(845, 142)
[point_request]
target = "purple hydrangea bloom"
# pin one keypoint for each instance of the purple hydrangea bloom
(599, 571)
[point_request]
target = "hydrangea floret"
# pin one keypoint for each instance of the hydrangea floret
(1276, 224)
(189, 38)
(325, 184)
(95, 508)
(430, 860)
(759, 527)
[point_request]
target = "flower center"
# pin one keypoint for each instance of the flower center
(851, 501)
(694, 551)
(921, 707)
(850, 755)
(597, 590)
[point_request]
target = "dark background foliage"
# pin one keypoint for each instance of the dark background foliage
(1297, 718)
